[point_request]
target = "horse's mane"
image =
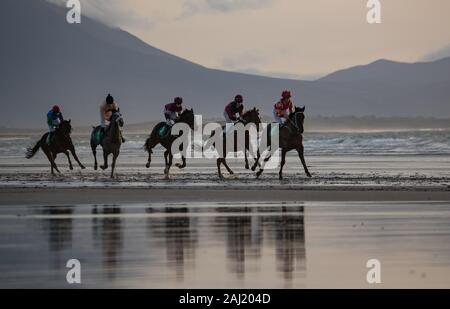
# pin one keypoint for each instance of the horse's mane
(67, 122)
(185, 111)
(249, 111)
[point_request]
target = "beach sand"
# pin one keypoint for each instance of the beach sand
(196, 231)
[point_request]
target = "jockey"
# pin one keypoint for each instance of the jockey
(54, 119)
(172, 111)
(283, 108)
(233, 108)
(107, 109)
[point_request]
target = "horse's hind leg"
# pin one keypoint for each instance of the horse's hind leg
(219, 163)
(149, 161)
(302, 158)
(94, 152)
(68, 158)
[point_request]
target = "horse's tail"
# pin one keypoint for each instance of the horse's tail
(32, 151)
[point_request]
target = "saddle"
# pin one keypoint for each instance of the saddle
(165, 131)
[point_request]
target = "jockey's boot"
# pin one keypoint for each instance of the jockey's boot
(49, 139)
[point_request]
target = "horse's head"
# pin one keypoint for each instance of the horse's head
(188, 117)
(252, 116)
(297, 118)
(65, 128)
(117, 118)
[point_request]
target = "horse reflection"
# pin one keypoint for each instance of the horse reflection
(178, 231)
(290, 242)
(107, 229)
(59, 229)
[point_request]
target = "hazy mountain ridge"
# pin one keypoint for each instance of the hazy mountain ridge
(46, 61)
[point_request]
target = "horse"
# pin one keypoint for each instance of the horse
(290, 138)
(62, 143)
(111, 142)
(249, 117)
(186, 117)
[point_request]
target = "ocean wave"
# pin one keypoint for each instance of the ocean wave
(378, 143)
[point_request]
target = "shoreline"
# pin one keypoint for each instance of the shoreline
(77, 196)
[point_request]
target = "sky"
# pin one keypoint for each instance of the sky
(283, 38)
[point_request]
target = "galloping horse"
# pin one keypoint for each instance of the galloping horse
(187, 117)
(251, 116)
(111, 142)
(290, 138)
(62, 143)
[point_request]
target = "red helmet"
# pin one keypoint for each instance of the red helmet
(56, 109)
(178, 100)
(286, 94)
(239, 98)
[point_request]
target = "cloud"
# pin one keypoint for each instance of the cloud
(115, 13)
(194, 7)
(443, 52)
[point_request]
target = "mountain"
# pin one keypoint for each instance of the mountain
(45, 61)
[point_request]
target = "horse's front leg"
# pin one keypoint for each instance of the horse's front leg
(302, 158)
(283, 162)
(113, 164)
(183, 165)
(105, 160)
(54, 162)
(74, 154)
(258, 157)
(168, 164)
(68, 159)
(166, 161)
(247, 166)
(51, 160)
(94, 152)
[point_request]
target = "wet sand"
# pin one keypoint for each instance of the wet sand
(227, 245)
(73, 196)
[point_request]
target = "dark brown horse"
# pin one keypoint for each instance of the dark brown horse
(186, 117)
(61, 143)
(249, 117)
(290, 138)
(111, 142)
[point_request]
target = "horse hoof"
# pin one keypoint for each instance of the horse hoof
(247, 167)
(309, 175)
(147, 165)
(95, 168)
(253, 168)
(83, 167)
(103, 167)
(231, 173)
(71, 168)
